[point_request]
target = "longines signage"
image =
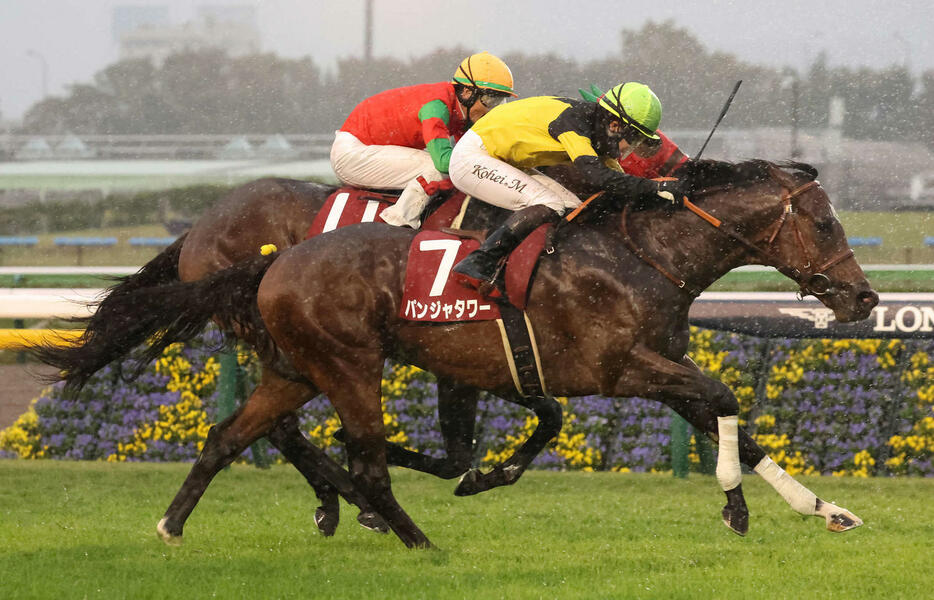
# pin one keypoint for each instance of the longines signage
(782, 315)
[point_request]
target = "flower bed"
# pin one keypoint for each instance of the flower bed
(844, 407)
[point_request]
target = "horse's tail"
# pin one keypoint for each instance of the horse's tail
(161, 315)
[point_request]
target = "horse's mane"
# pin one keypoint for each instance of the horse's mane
(701, 175)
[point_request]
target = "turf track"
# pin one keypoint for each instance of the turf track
(72, 530)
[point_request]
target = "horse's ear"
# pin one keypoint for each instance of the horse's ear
(781, 176)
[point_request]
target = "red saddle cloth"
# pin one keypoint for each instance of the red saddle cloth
(431, 295)
(349, 206)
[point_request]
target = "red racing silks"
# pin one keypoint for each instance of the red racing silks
(655, 165)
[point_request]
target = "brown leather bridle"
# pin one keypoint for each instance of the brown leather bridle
(810, 281)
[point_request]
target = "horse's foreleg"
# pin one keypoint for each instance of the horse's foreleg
(707, 404)
(353, 387)
(751, 454)
(804, 500)
(326, 477)
(225, 442)
(550, 417)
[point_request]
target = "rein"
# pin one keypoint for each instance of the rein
(811, 282)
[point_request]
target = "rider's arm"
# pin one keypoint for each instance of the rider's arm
(435, 117)
(571, 129)
(616, 184)
(595, 173)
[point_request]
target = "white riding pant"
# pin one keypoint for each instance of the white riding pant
(381, 167)
(473, 171)
(386, 167)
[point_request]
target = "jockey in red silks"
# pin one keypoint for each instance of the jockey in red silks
(402, 138)
(652, 158)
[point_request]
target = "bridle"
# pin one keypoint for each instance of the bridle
(810, 281)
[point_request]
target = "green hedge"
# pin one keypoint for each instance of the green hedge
(88, 210)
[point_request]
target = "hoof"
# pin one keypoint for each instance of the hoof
(372, 521)
(736, 520)
(326, 521)
(166, 536)
(469, 484)
(841, 520)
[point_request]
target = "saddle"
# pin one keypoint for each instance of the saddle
(349, 206)
(430, 295)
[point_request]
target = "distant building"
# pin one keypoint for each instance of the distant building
(231, 28)
(131, 18)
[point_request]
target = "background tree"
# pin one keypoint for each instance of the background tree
(209, 92)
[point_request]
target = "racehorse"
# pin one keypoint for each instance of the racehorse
(608, 314)
(273, 211)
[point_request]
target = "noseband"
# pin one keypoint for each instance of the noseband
(810, 281)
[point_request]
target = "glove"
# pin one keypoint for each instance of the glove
(672, 191)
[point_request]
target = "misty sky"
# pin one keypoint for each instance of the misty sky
(75, 39)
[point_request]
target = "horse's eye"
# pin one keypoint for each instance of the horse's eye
(824, 226)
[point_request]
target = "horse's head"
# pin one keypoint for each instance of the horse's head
(806, 242)
(777, 215)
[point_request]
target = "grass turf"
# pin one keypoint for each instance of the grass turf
(87, 530)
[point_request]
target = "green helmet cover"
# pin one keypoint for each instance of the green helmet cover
(635, 104)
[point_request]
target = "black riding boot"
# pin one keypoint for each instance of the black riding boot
(479, 269)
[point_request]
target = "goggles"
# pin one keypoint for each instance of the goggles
(633, 136)
(491, 100)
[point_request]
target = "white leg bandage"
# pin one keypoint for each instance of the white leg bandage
(729, 473)
(796, 495)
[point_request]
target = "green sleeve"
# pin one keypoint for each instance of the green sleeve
(434, 109)
(435, 117)
(440, 151)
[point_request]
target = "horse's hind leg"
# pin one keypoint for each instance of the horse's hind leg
(326, 477)
(550, 416)
(457, 416)
(366, 454)
(271, 400)
(353, 387)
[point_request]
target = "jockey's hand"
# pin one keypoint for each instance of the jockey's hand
(672, 191)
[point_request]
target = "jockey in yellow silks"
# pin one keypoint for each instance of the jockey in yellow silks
(495, 161)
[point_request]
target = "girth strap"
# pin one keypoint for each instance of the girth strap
(521, 351)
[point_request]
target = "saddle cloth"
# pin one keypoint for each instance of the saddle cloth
(431, 295)
(349, 206)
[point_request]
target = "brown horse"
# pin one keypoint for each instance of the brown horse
(280, 212)
(608, 316)
(815, 232)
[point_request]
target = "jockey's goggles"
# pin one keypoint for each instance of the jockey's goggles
(492, 99)
(633, 136)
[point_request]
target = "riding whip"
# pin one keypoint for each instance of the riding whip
(726, 107)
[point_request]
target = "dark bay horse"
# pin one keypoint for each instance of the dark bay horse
(270, 211)
(608, 322)
(229, 436)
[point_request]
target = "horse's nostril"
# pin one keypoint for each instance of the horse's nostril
(868, 297)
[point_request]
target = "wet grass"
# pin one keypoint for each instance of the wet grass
(87, 529)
